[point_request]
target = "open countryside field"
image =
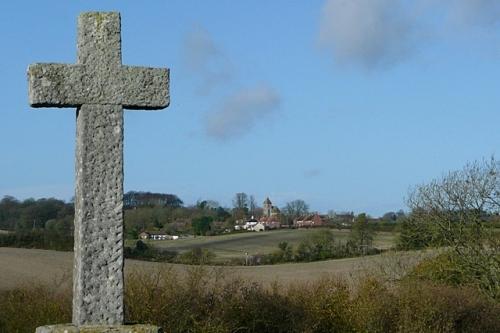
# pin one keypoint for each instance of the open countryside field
(237, 244)
(25, 266)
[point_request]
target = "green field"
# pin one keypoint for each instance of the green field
(236, 245)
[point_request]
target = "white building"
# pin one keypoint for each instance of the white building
(251, 225)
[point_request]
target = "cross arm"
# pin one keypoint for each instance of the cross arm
(145, 88)
(61, 85)
(55, 85)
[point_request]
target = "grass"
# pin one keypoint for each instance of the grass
(235, 245)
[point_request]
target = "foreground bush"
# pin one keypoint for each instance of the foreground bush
(207, 301)
(23, 309)
(449, 268)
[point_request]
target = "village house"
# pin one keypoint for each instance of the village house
(311, 220)
(251, 224)
(270, 222)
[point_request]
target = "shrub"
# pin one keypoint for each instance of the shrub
(326, 304)
(440, 269)
(23, 309)
(453, 269)
(376, 307)
(414, 235)
(425, 307)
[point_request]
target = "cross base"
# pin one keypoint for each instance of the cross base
(70, 328)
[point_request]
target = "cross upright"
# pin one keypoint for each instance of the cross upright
(99, 86)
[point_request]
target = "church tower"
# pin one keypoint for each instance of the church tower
(267, 207)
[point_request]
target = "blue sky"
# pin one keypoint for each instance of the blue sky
(345, 104)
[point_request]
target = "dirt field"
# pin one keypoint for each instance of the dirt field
(21, 266)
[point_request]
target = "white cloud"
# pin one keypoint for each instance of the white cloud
(205, 60)
(381, 33)
(240, 112)
(371, 33)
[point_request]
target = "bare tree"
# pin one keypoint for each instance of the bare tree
(252, 205)
(240, 205)
(458, 209)
(295, 209)
(240, 201)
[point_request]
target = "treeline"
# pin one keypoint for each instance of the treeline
(38, 239)
(31, 214)
(43, 223)
(202, 218)
(48, 223)
(134, 199)
(166, 212)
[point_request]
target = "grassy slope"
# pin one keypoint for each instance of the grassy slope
(235, 245)
(20, 266)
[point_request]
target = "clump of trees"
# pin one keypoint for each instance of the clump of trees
(322, 245)
(202, 225)
(31, 214)
(44, 223)
(204, 217)
(48, 223)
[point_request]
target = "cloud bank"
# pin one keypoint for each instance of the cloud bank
(381, 33)
(240, 112)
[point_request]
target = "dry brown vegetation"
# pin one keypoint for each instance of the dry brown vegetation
(371, 294)
(193, 303)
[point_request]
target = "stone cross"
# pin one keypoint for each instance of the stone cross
(99, 86)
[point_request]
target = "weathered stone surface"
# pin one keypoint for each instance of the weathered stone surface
(98, 264)
(63, 85)
(68, 328)
(99, 77)
(99, 86)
